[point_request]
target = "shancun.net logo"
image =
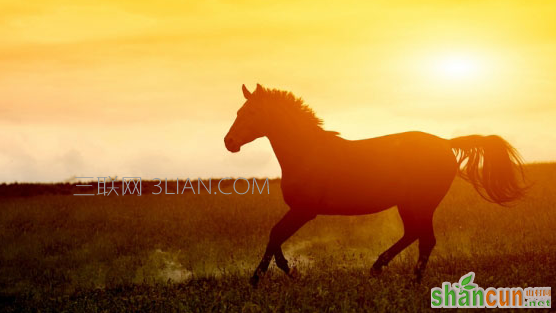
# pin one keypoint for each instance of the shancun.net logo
(466, 294)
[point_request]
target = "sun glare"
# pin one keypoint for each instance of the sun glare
(457, 67)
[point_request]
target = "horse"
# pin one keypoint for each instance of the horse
(325, 174)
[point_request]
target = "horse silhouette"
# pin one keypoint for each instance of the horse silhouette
(324, 174)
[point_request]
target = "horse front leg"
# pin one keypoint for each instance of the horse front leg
(287, 226)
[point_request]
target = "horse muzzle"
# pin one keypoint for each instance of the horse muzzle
(232, 145)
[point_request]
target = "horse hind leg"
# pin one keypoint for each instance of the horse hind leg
(407, 239)
(427, 241)
(417, 221)
(423, 228)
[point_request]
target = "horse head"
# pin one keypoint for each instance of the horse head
(250, 123)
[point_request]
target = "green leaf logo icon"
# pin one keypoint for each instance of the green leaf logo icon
(466, 282)
(467, 279)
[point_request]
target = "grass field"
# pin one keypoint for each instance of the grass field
(196, 252)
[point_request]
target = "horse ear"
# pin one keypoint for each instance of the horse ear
(246, 92)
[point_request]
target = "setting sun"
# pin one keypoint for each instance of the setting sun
(458, 67)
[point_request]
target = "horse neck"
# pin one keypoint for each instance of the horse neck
(291, 146)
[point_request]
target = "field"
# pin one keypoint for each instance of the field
(195, 253)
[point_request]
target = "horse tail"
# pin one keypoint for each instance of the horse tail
(492, 166)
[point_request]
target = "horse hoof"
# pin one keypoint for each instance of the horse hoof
(254, 281)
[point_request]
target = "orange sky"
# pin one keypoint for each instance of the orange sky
(96, 88)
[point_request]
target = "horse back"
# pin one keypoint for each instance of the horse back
(351, 177)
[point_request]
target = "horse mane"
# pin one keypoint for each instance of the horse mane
(296, 106)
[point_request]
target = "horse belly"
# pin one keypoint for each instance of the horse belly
(358, 200)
